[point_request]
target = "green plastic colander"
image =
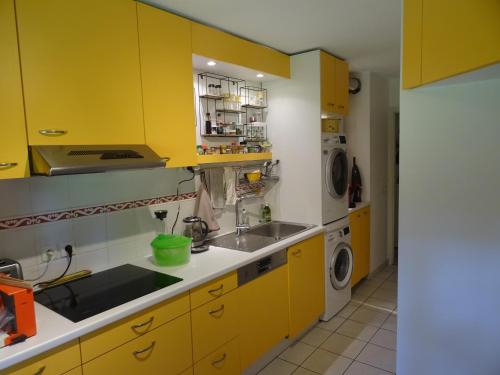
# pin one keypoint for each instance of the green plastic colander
(171, 250)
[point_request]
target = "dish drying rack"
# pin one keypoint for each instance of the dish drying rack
(244, 188)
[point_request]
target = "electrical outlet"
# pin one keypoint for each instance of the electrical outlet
(61, 249)
(48, 255)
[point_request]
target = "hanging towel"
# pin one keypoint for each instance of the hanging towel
(203, 209)
(230, 186)
(216, 187)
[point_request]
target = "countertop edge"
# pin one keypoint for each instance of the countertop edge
(31, 348)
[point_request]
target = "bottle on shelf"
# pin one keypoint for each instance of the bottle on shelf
(220, 124)
(266, 213)
(208, 124)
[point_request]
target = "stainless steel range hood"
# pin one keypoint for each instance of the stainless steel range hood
(62, 160)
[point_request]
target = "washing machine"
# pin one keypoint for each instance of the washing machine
(335, 173)
(338, 267)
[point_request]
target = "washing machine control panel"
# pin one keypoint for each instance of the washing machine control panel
(334, 139)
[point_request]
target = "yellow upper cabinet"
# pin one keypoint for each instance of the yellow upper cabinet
(218, 45)
(444, 38)
(306, 283)
(412, 43)
(80, 68)
(334, 84)
(13, 147)
(167, 82)
(327, 63)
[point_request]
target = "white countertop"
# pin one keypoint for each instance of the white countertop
(359, 206)
(54, 330)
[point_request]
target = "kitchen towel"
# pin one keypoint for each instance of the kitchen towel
(216, 187)
(230, 185)
(203, 209)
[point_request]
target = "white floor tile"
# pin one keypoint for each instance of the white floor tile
(360, 331)
(278, 367)
(358, 368)
(315, 336)
(375, 302)
(324, 362)
(332, 324)
(378, 357)
(385, 338)
(391, 323)
(348, 309)
(364, 289)
(303, 371)
(368, 315)
(343, 345)
(297, 353)
(385, 294)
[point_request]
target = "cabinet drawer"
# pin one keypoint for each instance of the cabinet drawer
(165, 350)
(213, 289)
(114, 335)
(224, 361)
(214, 324)
(54, 362)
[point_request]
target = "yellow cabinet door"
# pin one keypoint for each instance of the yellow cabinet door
(13, 146)
(459, 36)
(167, 84)
(264, 311)
(223, 361)
(412, 43)
(80, 68)
(165, 350)
(357, 245)
(306, 283)
(75, 371)
(215, 323)
(327, 68)
(53, 362)
(341, 97)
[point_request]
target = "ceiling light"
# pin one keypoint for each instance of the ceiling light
(260, 75)
(211, 63)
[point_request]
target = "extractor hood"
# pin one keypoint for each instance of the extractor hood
(63, 160)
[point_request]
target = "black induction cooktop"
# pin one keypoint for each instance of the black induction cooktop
(83, 298)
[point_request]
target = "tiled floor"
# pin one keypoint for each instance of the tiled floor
(360, 340)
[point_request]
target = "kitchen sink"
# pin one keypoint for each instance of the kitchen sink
(259, 236)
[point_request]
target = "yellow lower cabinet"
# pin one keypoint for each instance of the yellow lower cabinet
(264, 312)
(189, 371)
(359, 222)
(214, 324)
(223, 361)
(306, 283)
(165, 350)
(75, 371)
(54, 362)
(114, 335)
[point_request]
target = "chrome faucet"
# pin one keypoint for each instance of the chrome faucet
(240, 227)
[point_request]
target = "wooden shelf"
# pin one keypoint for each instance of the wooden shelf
(254, 106)
(222, 136)
(214, 97)
(228, 158)
(229, 111)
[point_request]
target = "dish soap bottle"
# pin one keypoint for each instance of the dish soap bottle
(266, 213)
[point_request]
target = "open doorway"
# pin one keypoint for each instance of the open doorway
(393, 188)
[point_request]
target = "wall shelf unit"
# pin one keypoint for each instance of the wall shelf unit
(228, 158)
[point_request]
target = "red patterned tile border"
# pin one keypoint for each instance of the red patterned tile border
(96, 210)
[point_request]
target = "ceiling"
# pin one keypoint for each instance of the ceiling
(364, 32)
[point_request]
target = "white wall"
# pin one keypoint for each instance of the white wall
(379, 121)
(357, 129)
(295, 126)
(449, 257)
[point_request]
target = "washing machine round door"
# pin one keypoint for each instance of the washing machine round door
(341, 266)
(337, 173)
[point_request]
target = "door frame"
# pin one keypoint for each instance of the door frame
(391, 193)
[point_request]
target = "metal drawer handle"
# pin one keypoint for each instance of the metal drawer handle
(40, 371)
(166, 158)
(215, 312)
(297, 253)
(341, 106)
(220, 360)
(52, 132)
(135, 327)
(217, 291)
(7, 165)
(139, 352)
(332, 104)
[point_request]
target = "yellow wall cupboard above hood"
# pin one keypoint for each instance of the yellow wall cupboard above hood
(219, 45)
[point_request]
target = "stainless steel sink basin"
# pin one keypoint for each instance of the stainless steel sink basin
(259, 236)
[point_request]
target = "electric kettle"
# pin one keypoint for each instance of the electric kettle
(195, 228)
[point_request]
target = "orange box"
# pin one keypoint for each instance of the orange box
(20, 303)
